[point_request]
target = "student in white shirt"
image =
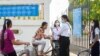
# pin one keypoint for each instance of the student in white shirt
(64, 39)
(95, 43)
(55, 32)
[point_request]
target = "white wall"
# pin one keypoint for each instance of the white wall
(57, 8)
(16, 2)
(27, 27)
(27, 32)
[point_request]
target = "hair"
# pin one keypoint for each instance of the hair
(7, 23)
(43, 24)
(96, 23)
(55, 23)
(65, 17)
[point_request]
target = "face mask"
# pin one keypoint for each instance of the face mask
(63, 21)
(57, 24)
(92, 24)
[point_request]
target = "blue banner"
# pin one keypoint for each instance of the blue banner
(77, 22)
(19, 10)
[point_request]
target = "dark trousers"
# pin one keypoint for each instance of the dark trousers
(11, 54)
(95, 49)
(64, 43)
(56, 48)
(56, 43)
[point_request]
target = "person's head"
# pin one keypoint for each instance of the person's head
(92, 23)
(65, 18)
(44, 25)
(7, 24)
(96, 23)
(56, 23)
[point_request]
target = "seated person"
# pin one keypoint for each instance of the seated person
(39, 36)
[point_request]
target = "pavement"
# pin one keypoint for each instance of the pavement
(72, 54)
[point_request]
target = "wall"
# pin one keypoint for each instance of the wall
(27, 28)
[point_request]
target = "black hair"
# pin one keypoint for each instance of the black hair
(96, 25)
(65, 17)
(7, 23)
(43, 24)
(55, 23)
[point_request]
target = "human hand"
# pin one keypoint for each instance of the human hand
(17, 40)
(26, 43)
(50, 37)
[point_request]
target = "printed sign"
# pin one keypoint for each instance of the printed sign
(77, 22)
(19, 10)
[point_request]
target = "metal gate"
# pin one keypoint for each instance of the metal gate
(80, 43)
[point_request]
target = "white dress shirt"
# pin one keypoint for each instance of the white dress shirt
(65, 29)
(56, 31)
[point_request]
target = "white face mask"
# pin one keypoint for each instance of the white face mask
(92, 24)
(63, 21)
(57, 24)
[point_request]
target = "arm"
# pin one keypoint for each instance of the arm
(63, 28)
(52, 37)
(16, 42)
(95, 40)
(96, 37)
(52, 33)
(47, 36)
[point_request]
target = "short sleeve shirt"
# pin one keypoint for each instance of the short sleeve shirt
(97, 32)
(66, 29)
(56, 33)
(8, 37)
